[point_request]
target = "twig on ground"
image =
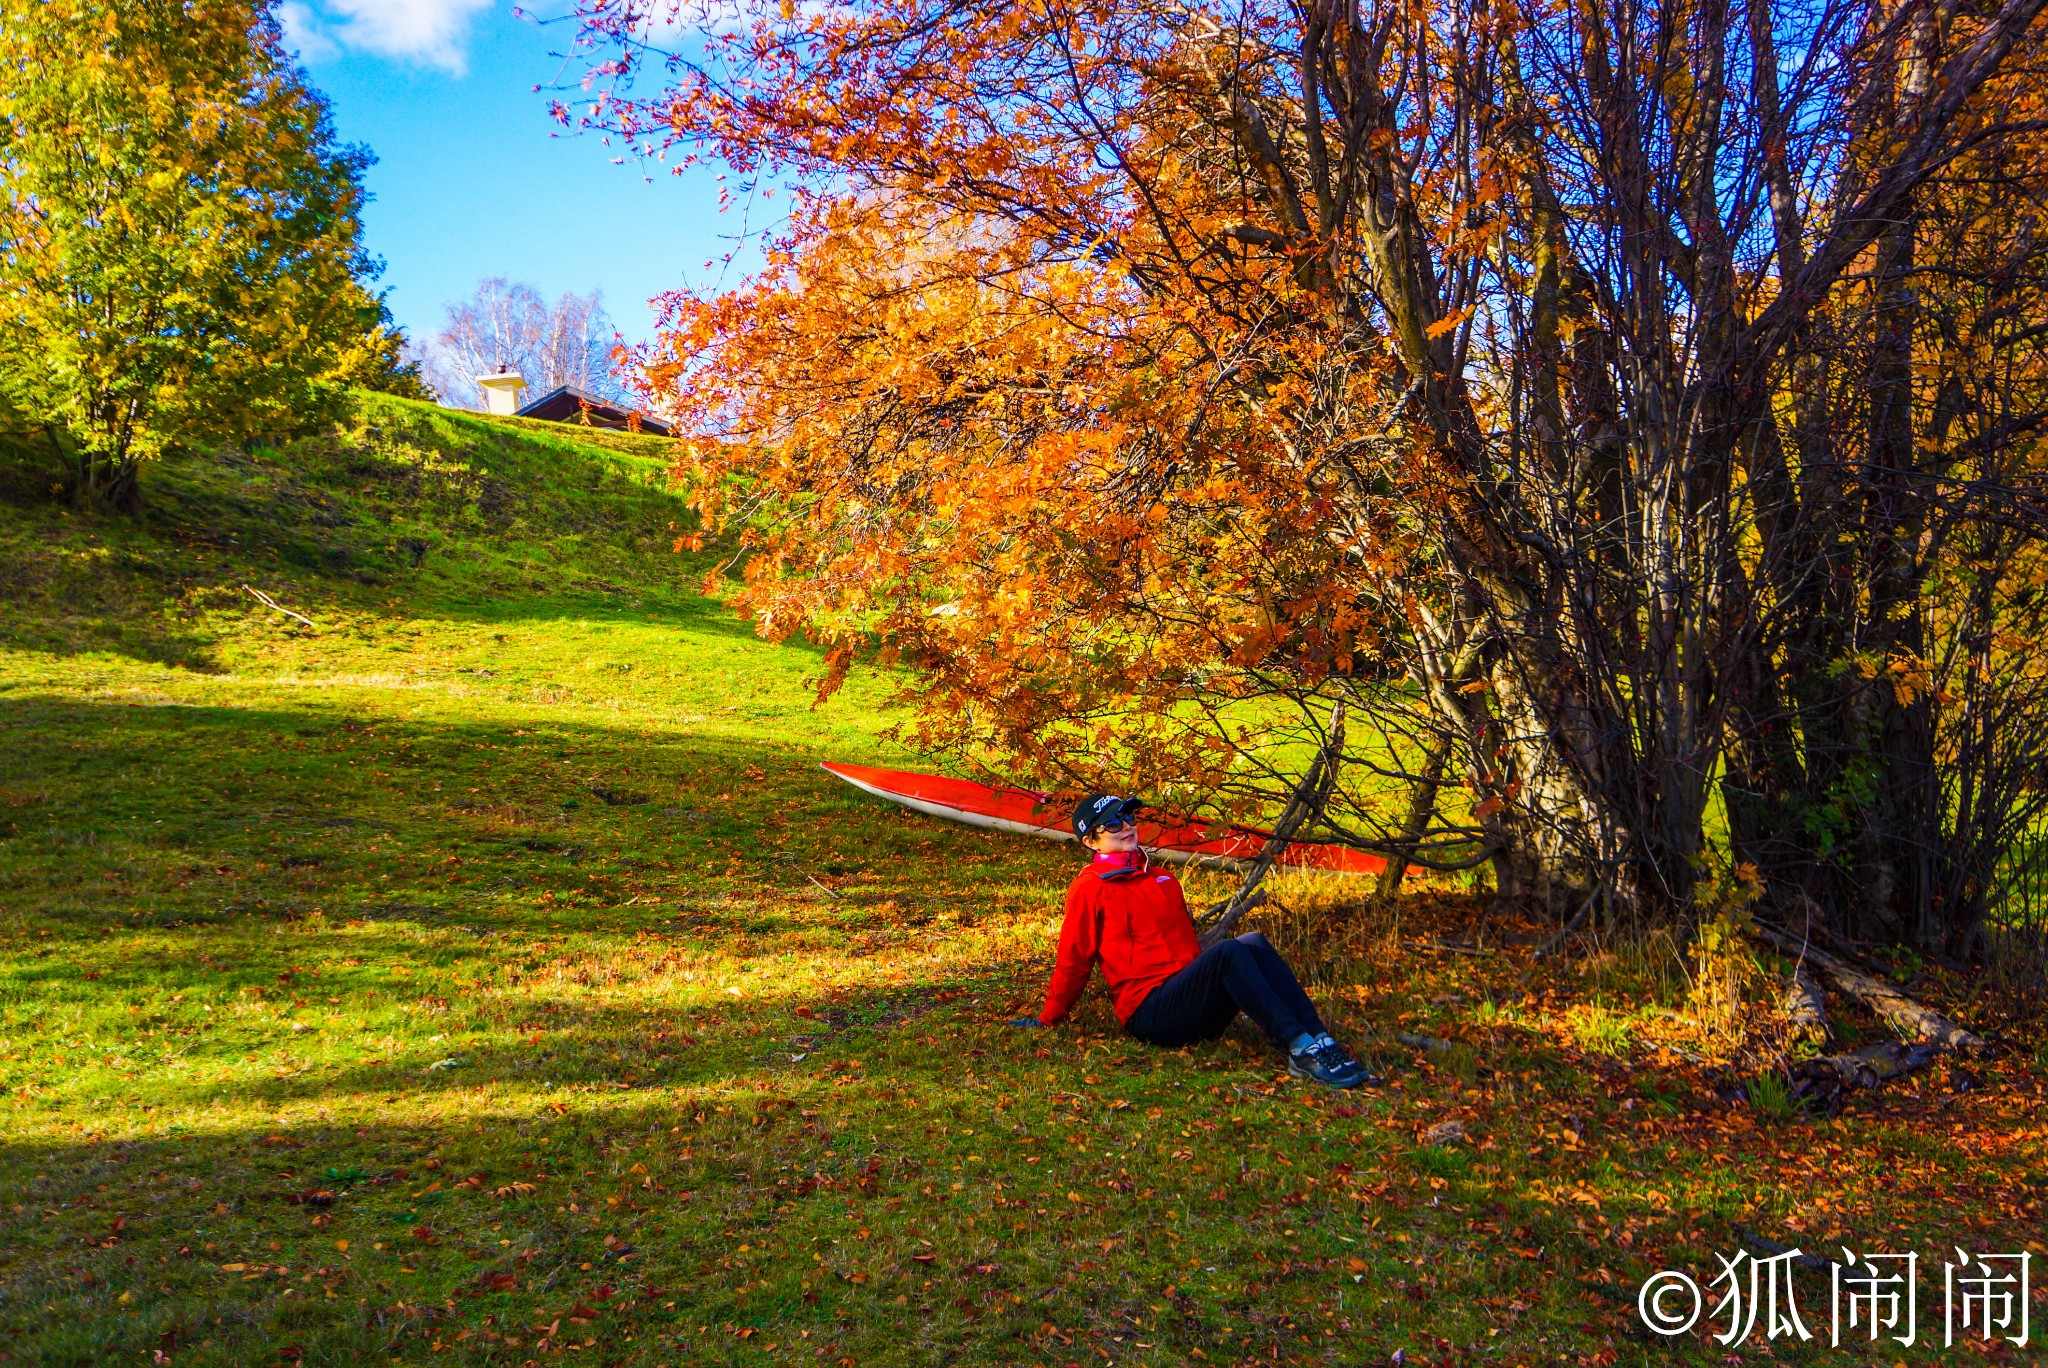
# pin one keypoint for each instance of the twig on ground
(1442, 948)
(813, 878)
(1813, 1263)
(1827, 1082)
(268, 602)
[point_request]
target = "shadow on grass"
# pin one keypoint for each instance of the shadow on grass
(310, 786)
(658, 604)
(204, 832)
(344, 1233)
(130, 600)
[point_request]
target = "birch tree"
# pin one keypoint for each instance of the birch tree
(507, 324)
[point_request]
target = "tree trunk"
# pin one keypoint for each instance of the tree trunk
(122, 489)
(98, 483)
(1901, 819)
(1421, 808)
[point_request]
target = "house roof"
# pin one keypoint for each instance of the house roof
(568, 404)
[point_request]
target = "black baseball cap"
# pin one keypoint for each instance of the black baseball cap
(1100, 809)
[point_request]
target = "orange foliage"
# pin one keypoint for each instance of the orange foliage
(1150, 378)
(1037, 407)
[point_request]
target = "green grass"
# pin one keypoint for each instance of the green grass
(489, 975)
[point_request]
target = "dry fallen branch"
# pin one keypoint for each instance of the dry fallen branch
(1806, 1010)
(1446, 948)
(1422, 1042)
(1871, 1065)
(1551, 946)
(1756, 1240)
(268, 602)
(1826, 1081)
(1907, 1017)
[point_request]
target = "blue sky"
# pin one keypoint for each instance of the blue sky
(471, 180)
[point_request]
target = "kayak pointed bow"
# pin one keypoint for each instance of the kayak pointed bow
(1024, 812)
(957, 800)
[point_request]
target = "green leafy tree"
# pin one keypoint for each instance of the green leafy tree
(378, 358)
(178, 238)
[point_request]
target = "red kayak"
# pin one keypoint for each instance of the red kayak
(1027, 814)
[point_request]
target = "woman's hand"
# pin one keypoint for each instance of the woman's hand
(1025, 1023)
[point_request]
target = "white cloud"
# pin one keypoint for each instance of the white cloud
(304, 33)
(432, 32)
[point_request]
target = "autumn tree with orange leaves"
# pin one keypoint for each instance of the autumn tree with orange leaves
(1628, 412)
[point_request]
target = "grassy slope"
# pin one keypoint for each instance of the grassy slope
(490, 975)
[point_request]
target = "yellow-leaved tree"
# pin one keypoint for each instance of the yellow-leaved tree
(178, 236)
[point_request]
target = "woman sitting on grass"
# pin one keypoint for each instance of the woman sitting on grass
(1167, 989)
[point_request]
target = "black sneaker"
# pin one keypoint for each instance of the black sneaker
(1327, 1063)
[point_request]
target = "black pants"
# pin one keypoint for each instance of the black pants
(1242, 975)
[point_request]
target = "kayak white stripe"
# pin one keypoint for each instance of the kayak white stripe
(953, 814)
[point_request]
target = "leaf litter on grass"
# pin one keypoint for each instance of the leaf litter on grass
(345, 1019)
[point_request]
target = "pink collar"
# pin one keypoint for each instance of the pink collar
(1121, 864)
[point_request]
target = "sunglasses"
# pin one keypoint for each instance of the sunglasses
(1120, 824)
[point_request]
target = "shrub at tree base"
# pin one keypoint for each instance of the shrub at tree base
(178, 239)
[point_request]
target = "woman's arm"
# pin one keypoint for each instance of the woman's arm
(1080, 943)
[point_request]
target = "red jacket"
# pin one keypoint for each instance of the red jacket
(1135, 921)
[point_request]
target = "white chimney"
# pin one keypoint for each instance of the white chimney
(501, 390)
